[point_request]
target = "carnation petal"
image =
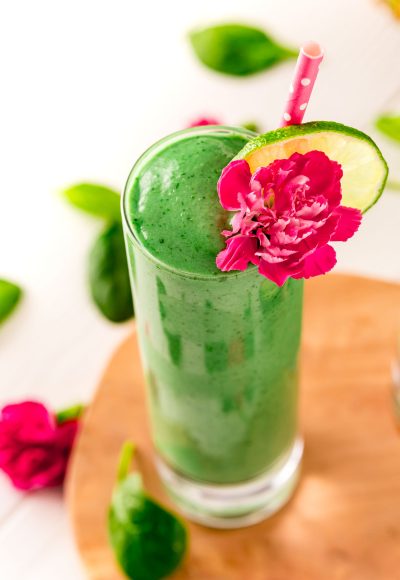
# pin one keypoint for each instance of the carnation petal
(202, 121)
(236, 222)
(234, 180)
(65, 434)
(25, 410)
(348, 224)
(275, 177)
(324, 175)
(239, 251)
(321, 261)
(34, 449)
(52, 475)
(30, 421)
(277, 273)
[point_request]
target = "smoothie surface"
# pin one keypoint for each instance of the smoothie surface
(173, 204)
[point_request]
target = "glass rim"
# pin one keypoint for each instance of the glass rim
(140, 162)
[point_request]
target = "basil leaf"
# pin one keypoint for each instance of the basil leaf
(10, 295)
(108, 275)
(149, 542)
(94, 199)
(389, 125)
(238, 50)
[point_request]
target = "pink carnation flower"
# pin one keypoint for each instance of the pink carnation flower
(201, 121)
(288, 212)
(34, 447)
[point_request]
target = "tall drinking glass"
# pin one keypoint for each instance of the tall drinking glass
(219, 350)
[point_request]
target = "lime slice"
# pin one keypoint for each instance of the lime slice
(364, 168)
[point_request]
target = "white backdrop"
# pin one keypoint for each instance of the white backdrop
(86, 86)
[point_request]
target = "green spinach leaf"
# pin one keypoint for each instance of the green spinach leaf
(389, 125)
(96, 200)
(238, 50)
(10, 295)
(149, 542)
(108, 275)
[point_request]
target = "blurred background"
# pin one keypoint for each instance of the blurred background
(86, 87)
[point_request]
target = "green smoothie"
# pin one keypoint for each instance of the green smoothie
(219, 349)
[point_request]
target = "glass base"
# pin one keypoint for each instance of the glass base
(235, 505)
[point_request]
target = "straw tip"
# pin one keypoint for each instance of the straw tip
(312, 49)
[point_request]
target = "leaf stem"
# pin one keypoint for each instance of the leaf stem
(125, 459)
(70, 413)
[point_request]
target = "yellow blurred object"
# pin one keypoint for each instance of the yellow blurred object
(394, 5)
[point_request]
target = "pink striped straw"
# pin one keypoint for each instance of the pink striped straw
(305, 74)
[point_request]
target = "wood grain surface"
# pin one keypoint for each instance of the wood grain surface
(344, 520)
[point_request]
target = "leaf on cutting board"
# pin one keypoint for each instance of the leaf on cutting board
(149, 542)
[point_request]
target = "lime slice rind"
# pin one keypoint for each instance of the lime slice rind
(365, 170)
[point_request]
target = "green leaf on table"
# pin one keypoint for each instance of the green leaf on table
(251, 126)
(97, 200)
(109, 276)
(393, 185)
(238, 50)
(149, 541)
(10, 295)
(389, 125)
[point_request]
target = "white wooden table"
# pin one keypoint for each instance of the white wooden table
(86, 86)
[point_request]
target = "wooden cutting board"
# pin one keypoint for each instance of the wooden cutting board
(344, 520)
